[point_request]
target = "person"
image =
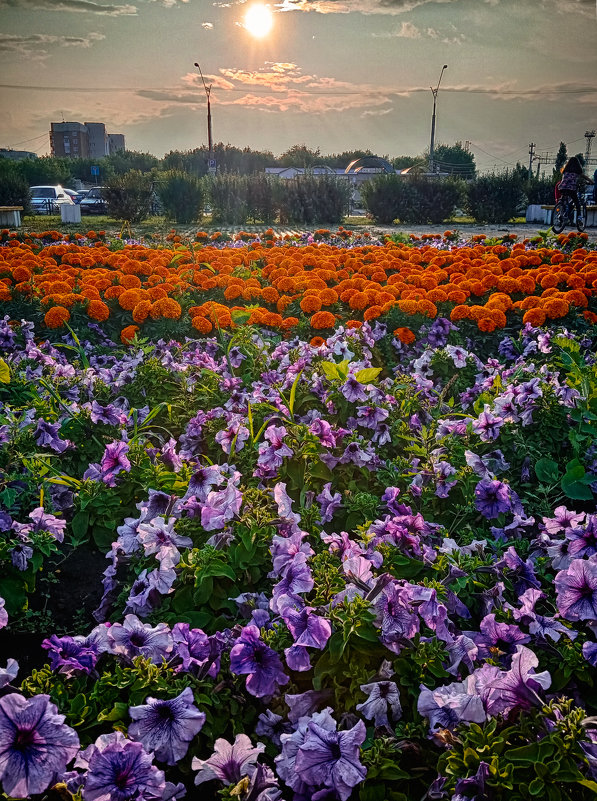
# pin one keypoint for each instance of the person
(572, 176)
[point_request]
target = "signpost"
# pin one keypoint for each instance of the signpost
(95, 173)
(211, 166)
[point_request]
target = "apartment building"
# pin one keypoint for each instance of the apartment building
(83, 140)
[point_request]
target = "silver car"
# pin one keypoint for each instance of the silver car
(48, 199)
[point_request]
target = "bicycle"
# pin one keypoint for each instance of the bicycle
(564, 214)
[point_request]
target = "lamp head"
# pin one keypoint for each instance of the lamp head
(445, 66)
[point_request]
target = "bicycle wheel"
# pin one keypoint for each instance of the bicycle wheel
(559, 217)
(583, 212)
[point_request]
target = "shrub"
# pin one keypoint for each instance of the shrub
(308, 199)
(129, 196)
(14, 189)
(383, 197)
(494, 198)
(539, 191)
(260, 199)
(228, 195)
(181, 195)
(413, 199)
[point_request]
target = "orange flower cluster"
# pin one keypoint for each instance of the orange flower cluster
(203, 286)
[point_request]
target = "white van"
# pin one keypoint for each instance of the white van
(48, 199)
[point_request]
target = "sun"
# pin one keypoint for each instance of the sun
(259, 20)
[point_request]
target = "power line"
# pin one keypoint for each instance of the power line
(26, 141)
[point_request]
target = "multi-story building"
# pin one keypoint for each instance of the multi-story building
(116, 142)
(83, 140)
(69, 139)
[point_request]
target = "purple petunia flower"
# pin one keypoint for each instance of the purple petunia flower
(46, 436)
(328, 503)
(120, 770)
(576, 590)
(220, 507)
(250, 656)
(229, 761)
(487, 426)
(71, 655)
(167, 727)
(113, 462)
(308, 630)
(517, 687)
(492, 498)
(453, 703)
(331, 758)
(382, 695)
(9, 673)
(35, 744)
(134, 638)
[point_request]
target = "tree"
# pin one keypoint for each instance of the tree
(455, 160)
(300, 156)
(561, 157)
(124, 160)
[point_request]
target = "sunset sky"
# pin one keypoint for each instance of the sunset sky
(333, 74)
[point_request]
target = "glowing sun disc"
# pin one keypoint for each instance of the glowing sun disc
(258, 21)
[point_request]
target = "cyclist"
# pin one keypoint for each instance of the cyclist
(572, 175)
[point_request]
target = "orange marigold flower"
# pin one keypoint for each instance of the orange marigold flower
(358, 300)
(128, 299)
(201, 324)
(408, 306)
(170, 308)
(460, 313)
(269, 294)
(486, 324)
(328, 297)
(457, 296)
(234, 291)
(310, 303)
(427, 308)
(113, 292)
(157, 293)
(98, 310)
(317, 342)
(353, 324)
(405, 335)
(127, 334)
(576, 298)
(289, 322)
(20, 274)
(141, 311)
(372, 312)
(590, 317)
(499, 317)
(555, 308)
(130, 281)
(323, 319)
(536, 317)
(56, 317)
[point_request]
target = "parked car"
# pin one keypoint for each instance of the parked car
(93, 202)
(73, 195)
(48, 199)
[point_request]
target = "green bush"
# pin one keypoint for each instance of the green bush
(495, 198)
(181, 195)
(228, 194)
(261, 205)
(128, 197)
(412, 200)
(14, 188)
(308, 199)
(540, 191)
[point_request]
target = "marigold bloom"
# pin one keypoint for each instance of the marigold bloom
(486, 324)
(317, 342)
(128, 299)
(310, 303)
(353, 324)
(323, 319)
(56, 317)
(555, 308)
(113, 292)
(201, 324)
(405, 335)
(459, 313)
(141, 311)
(130, 281)
(98, 310)
(128, 333)
(536, 317)
(576, 298)
(170, 308)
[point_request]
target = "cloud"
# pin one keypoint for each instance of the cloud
(34, 45)
(78, 6)
(585, 7)
(409, 31)
(207, 25)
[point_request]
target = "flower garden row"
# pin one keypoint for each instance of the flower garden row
(350, 561)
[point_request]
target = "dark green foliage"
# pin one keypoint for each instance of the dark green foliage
(455, 160)
(540, 190)
(181, 195)
(308, 199)
(260, 199)
(228, 194)
(495, 198)
(129, 196)
(413, 200)
(14, 188)
(561, 157)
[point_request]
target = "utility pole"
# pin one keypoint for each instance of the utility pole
(211, 166)
(531, 157)
(432, 144)
(589, 137)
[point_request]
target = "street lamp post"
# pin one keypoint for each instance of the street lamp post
(434, 93)
(207, 94)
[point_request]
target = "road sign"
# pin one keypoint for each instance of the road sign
(95, 170)
(211, 164)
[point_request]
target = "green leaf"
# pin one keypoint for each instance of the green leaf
(535, 752)
(4, 372)
(330, 370)
(367, 375)
(547, 470)
(293, 395)
(577, 490)
(119, 711)
(343, 368)
(590, 785)
(240, 316)
(336, 646)
(80, 524)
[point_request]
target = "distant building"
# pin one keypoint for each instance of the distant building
(83, 140)
(116, 142)
(16, 155)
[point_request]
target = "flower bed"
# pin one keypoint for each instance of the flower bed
(353, 560)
